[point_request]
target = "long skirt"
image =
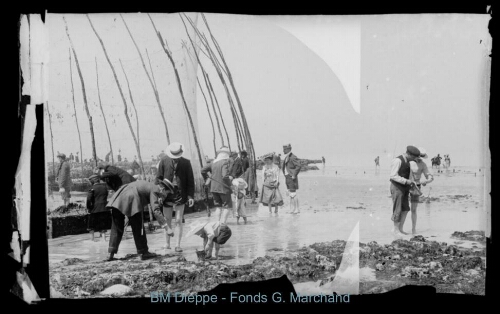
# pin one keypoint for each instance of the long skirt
(271, 196)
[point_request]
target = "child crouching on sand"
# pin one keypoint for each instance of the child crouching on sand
(213, 233)
(239, 203)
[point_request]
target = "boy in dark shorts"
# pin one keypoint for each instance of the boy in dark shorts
(400, 187)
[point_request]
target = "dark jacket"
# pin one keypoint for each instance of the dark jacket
(245, 164)
(183, 172)
(292, 165)
(220, 175)
(124, 176)
(404, 171)
(237, 168)
(97, 198)
(132, 198)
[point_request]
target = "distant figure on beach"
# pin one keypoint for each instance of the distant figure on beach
(324, 160)
(418, 167)
(447, 161)
(130, 201)
(119, 157)
(400, 187)
(97, 198)
(77, 159)
(63, 178)
(436, 161)
(377, 162)
(71, 157)
(291, 169)
(179, 171)
(220, 181)
(270, 195)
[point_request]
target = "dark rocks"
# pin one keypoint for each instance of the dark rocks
(71, 261)
(470, 235)
(402, 262)
(418, 238)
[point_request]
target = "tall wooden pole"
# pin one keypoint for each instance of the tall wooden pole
(102, 111)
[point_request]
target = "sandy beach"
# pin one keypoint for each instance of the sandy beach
(331, 205)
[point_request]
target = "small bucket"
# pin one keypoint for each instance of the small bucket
(201, 254)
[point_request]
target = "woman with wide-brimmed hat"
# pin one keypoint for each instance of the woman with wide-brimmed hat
(271, 195)
(418, 167)
(130, 201)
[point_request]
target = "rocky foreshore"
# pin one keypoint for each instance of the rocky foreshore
(449, 268)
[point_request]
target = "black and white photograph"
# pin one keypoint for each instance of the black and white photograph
(183, 151)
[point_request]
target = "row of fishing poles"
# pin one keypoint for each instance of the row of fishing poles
(243, 137)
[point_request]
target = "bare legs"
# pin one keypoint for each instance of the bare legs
(294, 203)
(402, 221)
(414, 217)
(167, 212)
(178, 228)
(179, 212)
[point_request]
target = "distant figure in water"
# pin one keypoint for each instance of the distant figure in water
(400, 187)
(377, 162)
(447, 161)
(291, 168)
(436, 161)
(418, 167)
(323, 158)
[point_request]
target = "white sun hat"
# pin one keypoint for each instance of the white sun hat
(175, 150)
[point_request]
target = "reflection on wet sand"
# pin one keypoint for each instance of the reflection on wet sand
(329, 211)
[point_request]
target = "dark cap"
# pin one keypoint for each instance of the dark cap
(412, 150)
(94, 177)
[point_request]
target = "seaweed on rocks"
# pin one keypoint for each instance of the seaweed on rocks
(416, 261)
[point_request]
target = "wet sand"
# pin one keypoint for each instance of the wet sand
(331, 205)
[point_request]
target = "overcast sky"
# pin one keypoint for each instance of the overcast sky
(389, 81)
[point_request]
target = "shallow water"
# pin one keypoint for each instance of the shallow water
(331, 205)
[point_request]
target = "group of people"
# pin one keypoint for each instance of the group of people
(166, 199)
(406, 182)
(225, 177)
